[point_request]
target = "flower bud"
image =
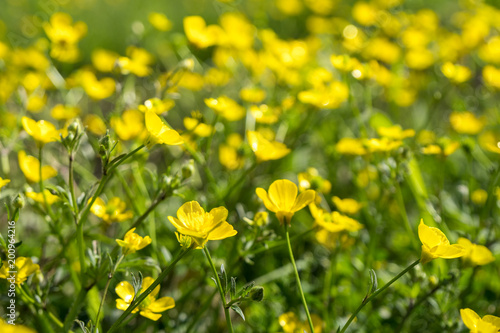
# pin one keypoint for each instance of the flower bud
(256, 294)
(19, 201)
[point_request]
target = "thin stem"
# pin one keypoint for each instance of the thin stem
(71, 184)
(75, 307)
(142, 296)
(221, 292)
(40, 157)
(404, 215)
(297, 278)
(369, 299)
(242, 177)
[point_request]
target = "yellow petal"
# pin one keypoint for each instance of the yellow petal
(171, 137)
(283, 194)
(449, 251)
(153, 123)
(303, 200)
(121, 304)
(262, 194)
(125, 291)
(431, 237)
(150, 315)
(223, 231)
(219, 215)
(494, 320)
(470, 318)
(146, 283)
(162, 304)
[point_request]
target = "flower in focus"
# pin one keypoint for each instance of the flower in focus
(282, 199)
(42, 131)
(30, 166)
(159, 21)
(226, 107)
(347, 206)
(159, 132)
(476, 255)
(113, 211)
(132, 242)
(436, 245)
(291, 324)
(150, 307)
(466, 122)
(201, 226)
(476, 324)
(264, 149)
(3, 182)
(39, 197)
(24, 268)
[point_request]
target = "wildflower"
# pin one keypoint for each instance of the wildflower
(150, 307)
(113, 211)
(226, 107)
(36, 102)
(325, 97)
(350, 146)
(365, 13)
(129, 126)
(136, 62)
(24, 268)
(157, 105)
(97, 89)
(476, 324)
(30, 166)
(479, 197)
(159, 132)
(199, 34)
(382, 145)
(456, 73)
(476, 255)
(334, 222)
(395, 132)
(201, 226)
(491, 76)
(104, 60)
(264, 149)
(197, 127)
(95, 124)
(312, 180)
(64, 112)
(9, 328)
(132, 242)
(260, 219)
(490, 141)
(229, 153)
(64, 37)
(3, 182)
(282, 199)
(46, 196)
(445, 147)
(42, 131)
(347, 206)
(159, 21)
(466, 122)
(263, 114)
(291, 324)
(252, 95)
(436, 245)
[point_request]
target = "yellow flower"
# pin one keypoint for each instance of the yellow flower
(260, 219)
(197, 127)
(479, 197)
(350, 146)
(157, 105)
(476, 324)
(466, 122)
(137, 62)
(159, 21)
(64, 37)
(30, 166)
(113, 211)
(129, 126)
(230, 155)
(150, 307)
(97, 89)
(159, 132)
(264, 149)
(226, 107)
(282, 199)
(333, 222)
(199, 34)
(263, 114)
(291, 324)
(104, 60)
(491, 76)
(95, 124)
(39, 197)
(456, 73)
(347, 206)
(365, 13)
(42, 131)
(132, 242)
(490, 141)
(311, 180)
(445, 148)
(395, 132)
(476, 255)
(24, 267)
(436, 245)
(3, 182)
(36, 102)
(201, 226)
(382, 145)
(252, 95)
(9, 328)
(64, 112)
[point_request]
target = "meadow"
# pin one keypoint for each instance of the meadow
(249, 166)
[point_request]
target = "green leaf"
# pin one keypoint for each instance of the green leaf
(238, 310)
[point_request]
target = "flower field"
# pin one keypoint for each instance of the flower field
(249, 166)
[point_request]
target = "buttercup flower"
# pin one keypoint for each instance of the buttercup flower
(30, 166)
(226, 107)
(159, 132)
(113, 211)
(475, 254)
(264, 149)
(129, 126)
(39, 197)
(466, 122)
(476, 324)
(132, 242)
(42, 131)
(334, 222)
(347, 206)
(159, 21)
(201, 226)
(282, 199)
(150, 307)
(291, 324)
(3, 182)
(436, 245)
(24, 267)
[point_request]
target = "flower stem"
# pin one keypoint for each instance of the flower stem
(72, 185)
(142, 296)
(221, 292)
(47, 207)
(297, 277)
(372, 296)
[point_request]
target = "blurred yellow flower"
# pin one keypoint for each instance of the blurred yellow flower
(150, 307)
(104, 60)
(479, 196)
(282, 199)
(260, 219)
(252, 94)
(350, 146)
(159, 21)
(64, 112)
(476, 324)
(197, 127)
(41, 197)
(395, 132)
(24, 267)
(199, 34)
(201, 226)
(365, 13)
(3, 182)
(226, 107)
(157, 105)
(466, 122)
(30, 166)
(113, 211)
(136, 62)
(129, 126)
(230, 153)
(490, 141)
(382, 145)
(64, 36)
(445, 147)
(97, 89)
(42, 131)
(456, 73)
(9, 328)
(291, 324)
(419, 58)
(132, 242)
(333, 222)
(491, 76)
(95, 124)
(264, 114)
(311, 180)
(264, 149)
(36, 102)
(159, 133)
(476, 255)
(436, 245)
(347, 206)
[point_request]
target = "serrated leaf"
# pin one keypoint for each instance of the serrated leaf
(238, 310)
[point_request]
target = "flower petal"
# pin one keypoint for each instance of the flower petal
(125, 291)
(449, 251)
(431, 237)
(470, 318)
(262, 194)
(303, 200)
(225, 230)
(283, 193)
(150, 315)
(162, 304)
(219, 215)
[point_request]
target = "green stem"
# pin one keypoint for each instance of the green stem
(75, 307)
(242, 177)
(297, 278)
(369, 299)
(142, 296)
(40, 157)
(72, 185)
(221, 291)
(404, 215)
